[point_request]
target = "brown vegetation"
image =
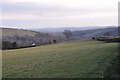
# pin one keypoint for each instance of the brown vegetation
(107, 39)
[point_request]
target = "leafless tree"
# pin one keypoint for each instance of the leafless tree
(67, 34)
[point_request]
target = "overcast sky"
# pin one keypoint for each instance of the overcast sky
(58, 13)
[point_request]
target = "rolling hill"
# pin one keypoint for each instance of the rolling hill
(82, 32)
(25, 38)
(61, 29)
(88, 34)
(77, 33)
(20, 32)
(81, 59)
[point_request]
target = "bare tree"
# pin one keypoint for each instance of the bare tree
(67, 34)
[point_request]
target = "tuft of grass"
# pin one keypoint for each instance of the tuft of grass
(81, 59)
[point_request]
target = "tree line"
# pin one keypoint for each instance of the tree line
(9, 45)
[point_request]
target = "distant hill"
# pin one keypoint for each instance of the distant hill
(82, 32)
(86, 34)
(61, 29)
(28, 37)
(20, 32)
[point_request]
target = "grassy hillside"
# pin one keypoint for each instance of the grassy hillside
(20, 32)
(25, 38)
(88, 34)
(83, 59)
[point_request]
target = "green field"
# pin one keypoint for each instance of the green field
(81, 59)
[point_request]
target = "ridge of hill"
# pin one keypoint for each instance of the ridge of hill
(28, 37)
(20, 32)
(87, 34)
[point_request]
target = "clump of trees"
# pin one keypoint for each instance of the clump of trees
(107, 39)
(9, 45)
(67, 34)
(27, 41)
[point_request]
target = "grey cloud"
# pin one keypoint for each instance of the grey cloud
(60, 22)
(28, 8)
(41, 9)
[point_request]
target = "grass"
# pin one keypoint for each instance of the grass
(12, 32)
(81, 59)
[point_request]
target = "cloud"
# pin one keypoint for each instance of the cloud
(43, 14)
(33, 9)
(72, 3)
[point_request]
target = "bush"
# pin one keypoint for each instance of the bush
(108, 39)
(8, 45)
